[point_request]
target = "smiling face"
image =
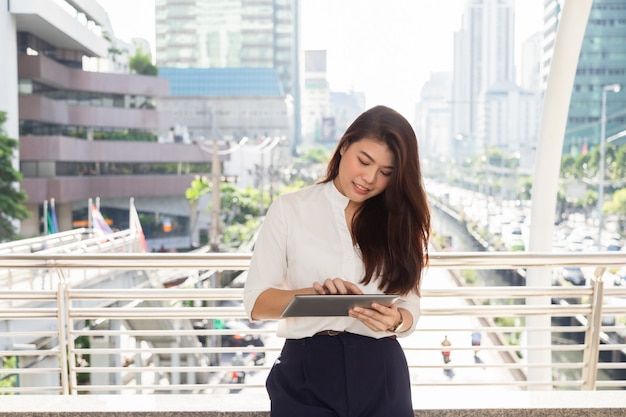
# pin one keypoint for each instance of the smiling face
(364, 170)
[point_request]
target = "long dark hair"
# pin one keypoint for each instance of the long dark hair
(392, 229)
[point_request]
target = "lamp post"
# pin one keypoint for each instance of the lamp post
(613, 88)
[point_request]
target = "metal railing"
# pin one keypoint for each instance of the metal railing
(160, 336)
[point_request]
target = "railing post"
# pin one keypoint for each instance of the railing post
(62, 323)
(592, 335)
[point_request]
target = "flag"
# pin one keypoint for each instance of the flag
(51, 217)
(100, 226)
(135, 224)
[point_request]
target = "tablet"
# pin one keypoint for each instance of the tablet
(315, 305)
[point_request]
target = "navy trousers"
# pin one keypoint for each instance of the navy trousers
(346, 375)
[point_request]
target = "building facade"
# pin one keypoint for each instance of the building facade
(483, 57)
(602, 62)
(86, 134)
(233, 34)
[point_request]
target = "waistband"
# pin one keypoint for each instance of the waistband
(333, 333)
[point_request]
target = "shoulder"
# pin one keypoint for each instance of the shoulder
(300, 196)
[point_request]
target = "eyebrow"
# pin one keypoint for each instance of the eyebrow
(372, 159)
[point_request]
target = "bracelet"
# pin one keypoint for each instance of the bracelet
(398, 326)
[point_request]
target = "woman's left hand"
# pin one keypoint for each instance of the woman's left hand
(378, 317)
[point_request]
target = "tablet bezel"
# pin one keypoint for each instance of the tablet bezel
(317, 305)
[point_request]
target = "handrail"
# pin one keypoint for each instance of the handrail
(231, 260)
(53, 321)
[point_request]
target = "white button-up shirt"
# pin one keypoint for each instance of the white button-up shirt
(305, 239)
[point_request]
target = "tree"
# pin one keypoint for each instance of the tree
(142, 64)
(239, 209)
(11, 198)
(617, 205)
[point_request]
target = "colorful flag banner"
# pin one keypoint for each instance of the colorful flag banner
(135, 223)
(51, 224)
(99, 224)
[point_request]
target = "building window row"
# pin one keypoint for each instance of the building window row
(48, 169)
(29, 127)
(29, 44)
(86, 98)
(600, 71)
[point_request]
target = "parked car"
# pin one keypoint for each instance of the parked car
(574, 275)
(614, 245)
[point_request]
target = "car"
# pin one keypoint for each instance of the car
(620, 277)
(614, 245)
(243, 338)
(573, 275)
(517, 245)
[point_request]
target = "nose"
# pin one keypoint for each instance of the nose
(369, 175)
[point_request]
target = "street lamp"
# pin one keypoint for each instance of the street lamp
(613, 88)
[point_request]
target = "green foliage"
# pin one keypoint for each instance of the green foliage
(82, 342)
(315, 156)
(199, 187)
(11, 199)
(239, 205)
(526, 187)
(237, 234)
(8, 380)
(240, 208)
(586, 168)
(470, 276)
(617, 205)
(128, 136)
(141, 63)
(295, 185)
(310, 165)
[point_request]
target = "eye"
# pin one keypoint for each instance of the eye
(386, 173)
(365, 163)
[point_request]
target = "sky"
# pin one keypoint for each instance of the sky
(385, 48)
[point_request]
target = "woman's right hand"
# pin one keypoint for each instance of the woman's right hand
(336, 286)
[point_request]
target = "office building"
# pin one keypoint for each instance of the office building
(602, 62)
(87, 134)
(233, 34)
(483, 57)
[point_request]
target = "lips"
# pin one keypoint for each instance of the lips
(360, 189)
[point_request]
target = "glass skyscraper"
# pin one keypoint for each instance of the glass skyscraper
(602, 62)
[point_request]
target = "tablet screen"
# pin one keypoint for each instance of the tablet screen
(313, 305)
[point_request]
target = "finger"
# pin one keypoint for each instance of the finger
(330, 287)
(371, 318)
(352, 288)
(380, 316)
(319, 289)
(341, 285)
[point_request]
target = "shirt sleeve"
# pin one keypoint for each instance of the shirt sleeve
(268, 267)
(411, 303)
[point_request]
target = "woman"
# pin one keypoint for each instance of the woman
(364, 228)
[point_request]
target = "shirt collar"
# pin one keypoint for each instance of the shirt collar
(335, 197)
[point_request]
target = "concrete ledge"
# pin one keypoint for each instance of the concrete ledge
(441, 403)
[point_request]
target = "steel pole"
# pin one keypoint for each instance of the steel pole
(567, 45)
